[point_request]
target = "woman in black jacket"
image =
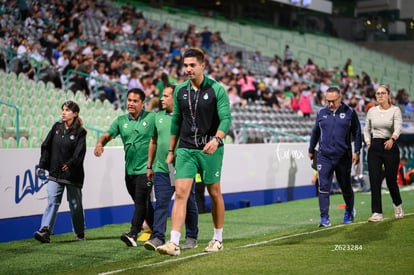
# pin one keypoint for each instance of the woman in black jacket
(62, 154)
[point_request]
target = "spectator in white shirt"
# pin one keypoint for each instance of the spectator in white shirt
(63, 60)
(125, 75)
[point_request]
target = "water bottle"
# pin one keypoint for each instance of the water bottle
(42, 176)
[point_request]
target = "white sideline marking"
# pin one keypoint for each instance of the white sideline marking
(177, 259)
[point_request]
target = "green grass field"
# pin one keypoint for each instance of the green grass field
(272, 239)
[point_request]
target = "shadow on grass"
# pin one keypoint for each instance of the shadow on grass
(369, 232)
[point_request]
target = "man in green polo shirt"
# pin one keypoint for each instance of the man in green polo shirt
(159, 173)
(200, 121)
(135, 129)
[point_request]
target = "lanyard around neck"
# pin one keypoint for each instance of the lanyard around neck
(193, 112)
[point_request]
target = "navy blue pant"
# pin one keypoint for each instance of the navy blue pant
(163, 192)
(379, 158)
(342, 168)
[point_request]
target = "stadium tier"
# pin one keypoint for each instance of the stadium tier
(38, 100)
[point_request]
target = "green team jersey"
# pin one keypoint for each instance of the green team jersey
(162, 134)
(136, 136)
(160, 86)
(199, 114)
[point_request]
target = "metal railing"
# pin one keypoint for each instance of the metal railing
(33, 62)
(276, 133)
(97, 131)
(96, 87)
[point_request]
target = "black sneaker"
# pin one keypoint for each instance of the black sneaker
(80, 237)
(129, 239)
(43, 235)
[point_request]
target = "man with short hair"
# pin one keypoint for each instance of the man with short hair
(336, 126)
(200, 121)
(135, 129)
(158, 172)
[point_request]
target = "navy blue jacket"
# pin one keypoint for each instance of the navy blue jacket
(335, 132)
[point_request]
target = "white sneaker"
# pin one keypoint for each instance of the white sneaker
(214, 246)
(376, 217)
(398, 212)
(169, 248)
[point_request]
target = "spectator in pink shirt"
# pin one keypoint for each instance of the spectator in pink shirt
(247, 87)
(302, 101)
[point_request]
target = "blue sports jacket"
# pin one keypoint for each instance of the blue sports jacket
(335, 132)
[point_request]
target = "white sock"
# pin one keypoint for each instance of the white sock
(175, 237)
(218, 234)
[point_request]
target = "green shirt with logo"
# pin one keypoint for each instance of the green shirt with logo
(198, 115)
(136, 136)
(162, 134)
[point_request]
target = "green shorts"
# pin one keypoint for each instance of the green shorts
(189, 162)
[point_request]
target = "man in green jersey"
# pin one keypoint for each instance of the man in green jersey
(135, 129)
(200, 121)
(159, 173)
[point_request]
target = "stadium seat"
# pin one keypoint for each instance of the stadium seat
(10, 143)
(23, 142)
(35, 142)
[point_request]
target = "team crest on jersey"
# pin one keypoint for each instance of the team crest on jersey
(72, 137)
(185, 96)
(125, 125)
(319, 166)
(205, 96)
(342, 115)
(161, 120)
(144, 123)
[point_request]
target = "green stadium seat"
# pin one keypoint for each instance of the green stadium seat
(6, 120)
(35, 142)
(50, 86)
(91, 139)
(10, 143)
(23, 142)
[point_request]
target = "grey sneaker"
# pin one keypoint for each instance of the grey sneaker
(153, 244)
(190, 243)
(43, 235)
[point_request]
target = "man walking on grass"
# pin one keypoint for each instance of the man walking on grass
(200, 121)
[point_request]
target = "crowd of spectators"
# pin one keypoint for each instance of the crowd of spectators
(58, 45)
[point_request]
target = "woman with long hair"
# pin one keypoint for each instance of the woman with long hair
(383, 126)
(62, 154)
